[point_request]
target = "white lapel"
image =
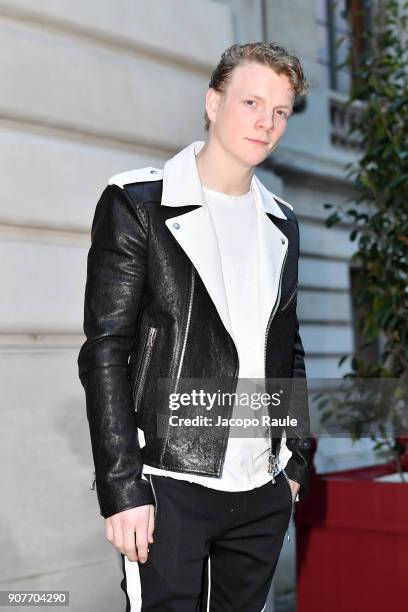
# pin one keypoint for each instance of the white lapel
(195, 232)
(272, 249)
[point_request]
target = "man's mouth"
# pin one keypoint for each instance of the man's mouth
(257, 141)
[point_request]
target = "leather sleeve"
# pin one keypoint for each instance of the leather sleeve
(116, 270)
(298, 466)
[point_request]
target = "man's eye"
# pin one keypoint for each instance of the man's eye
(250, 102)
(283, 113)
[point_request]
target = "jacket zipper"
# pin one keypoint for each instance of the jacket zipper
(290, 299)
(183, 348)
(147, 352)
(271, 457)
(156, 507)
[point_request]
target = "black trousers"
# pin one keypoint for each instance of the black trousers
(213, 551)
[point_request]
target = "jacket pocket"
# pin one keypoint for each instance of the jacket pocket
(144, 364)
(289, 301)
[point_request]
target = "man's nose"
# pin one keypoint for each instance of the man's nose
(266, 122)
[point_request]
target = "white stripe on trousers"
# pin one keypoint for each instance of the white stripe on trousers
(133, 586)
(209, 583)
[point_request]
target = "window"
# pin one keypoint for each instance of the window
(359, 18)
(340, 23)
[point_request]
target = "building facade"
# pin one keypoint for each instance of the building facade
(90, 89)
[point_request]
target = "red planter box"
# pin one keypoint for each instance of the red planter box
(352, 544)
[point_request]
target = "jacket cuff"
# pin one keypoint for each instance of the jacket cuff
(297, 470)
(122, 495)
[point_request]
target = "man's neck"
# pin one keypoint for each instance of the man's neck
(219, 171)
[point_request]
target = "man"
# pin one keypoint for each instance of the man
(192, 274)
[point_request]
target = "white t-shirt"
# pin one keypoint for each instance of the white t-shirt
(235, 223)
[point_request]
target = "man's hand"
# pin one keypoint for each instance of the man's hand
(295, 486)
(131, 531)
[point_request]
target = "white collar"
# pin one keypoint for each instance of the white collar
(182, 185)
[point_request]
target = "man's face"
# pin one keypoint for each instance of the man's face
(250, 117)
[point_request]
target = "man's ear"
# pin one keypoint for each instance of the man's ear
(212, 98)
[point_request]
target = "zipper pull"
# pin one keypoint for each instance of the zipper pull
(271, 466)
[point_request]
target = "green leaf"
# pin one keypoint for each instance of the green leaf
(326, 415)
(377, 212)
(342, 360)
(402, 178)
(332, 219)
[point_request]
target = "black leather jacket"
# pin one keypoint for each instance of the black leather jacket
(148, 315)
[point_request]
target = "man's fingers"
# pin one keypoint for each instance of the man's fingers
(129, 542)
(108, 530)
(295, 486)
(129, 530)
(150, 528)
(142, 543)
(117, 535)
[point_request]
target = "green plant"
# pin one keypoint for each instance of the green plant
(378, 214)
